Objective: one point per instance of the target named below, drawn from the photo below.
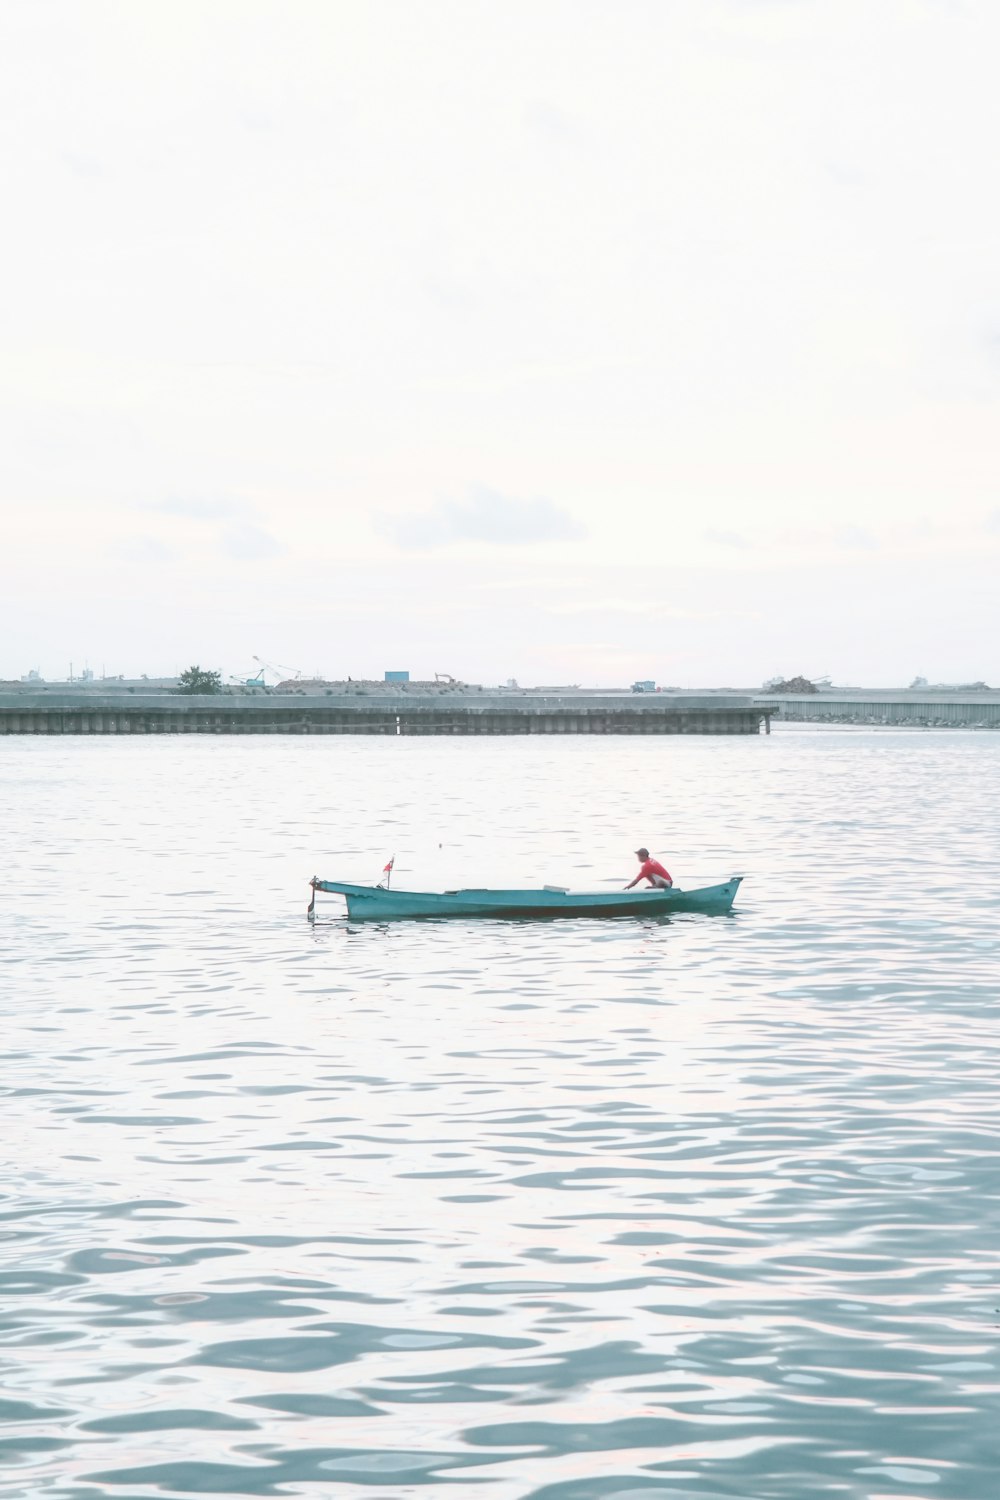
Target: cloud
(199, 510)
(727, 539)
(241, 538)
(82, 165)
(544, 118)
(249, 543)
(855, 539)
(485, 516)
(647, 609)
(143, 549)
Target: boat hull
(366, 903)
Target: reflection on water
(571, 1211)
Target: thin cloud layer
(249, 543)
(191, 509)
(243, 539)
(855, 539)
(485, 516)
(734, 539)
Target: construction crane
(276, 668)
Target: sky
(563, 340)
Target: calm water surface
(691, 1208)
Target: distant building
(397, 676)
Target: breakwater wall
(87, 713)
(976, 710)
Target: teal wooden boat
(376, 903)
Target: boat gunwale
(374, 902)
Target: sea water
(582, 1210)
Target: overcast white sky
(569, 340)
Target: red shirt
(652, 866)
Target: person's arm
(634, 882)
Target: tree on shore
(194, 680)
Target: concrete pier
(60, 711)
(917, 707)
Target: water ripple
(699, 1209)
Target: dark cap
(642, 853)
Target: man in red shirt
(651, 870)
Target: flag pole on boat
(387, 872)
